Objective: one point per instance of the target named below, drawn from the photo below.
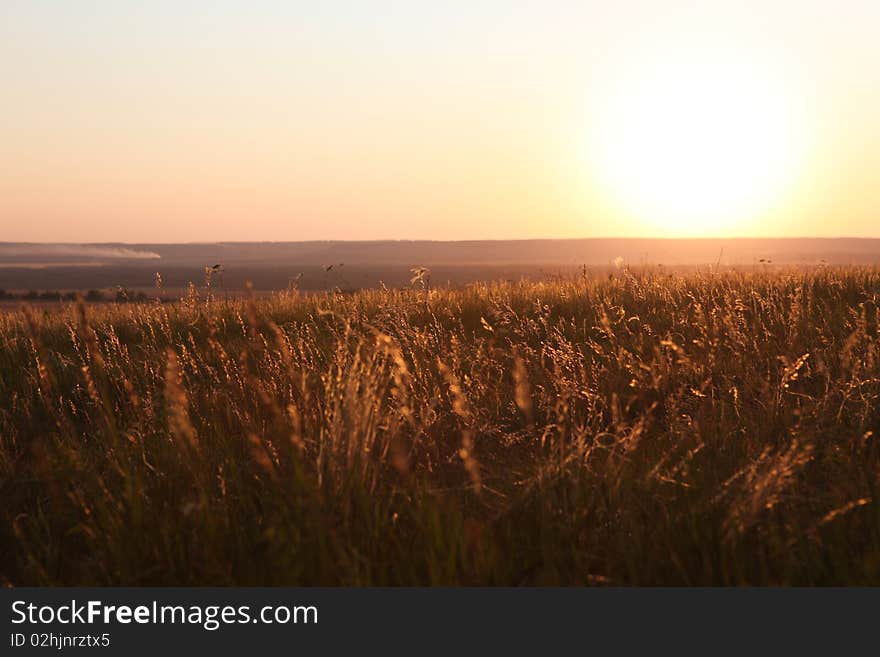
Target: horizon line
(443, 241)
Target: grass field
(638, 428)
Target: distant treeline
(93, 296)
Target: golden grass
(642, 428)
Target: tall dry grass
(642, 428)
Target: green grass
(639, 428)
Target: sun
(697, 144)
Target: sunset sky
(173, 121)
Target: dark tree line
(121, 295)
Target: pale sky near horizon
(174, 121)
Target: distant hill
(271, 265)
(560, 252)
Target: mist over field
(53, 252)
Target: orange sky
(202, 121)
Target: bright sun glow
(698, 145)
